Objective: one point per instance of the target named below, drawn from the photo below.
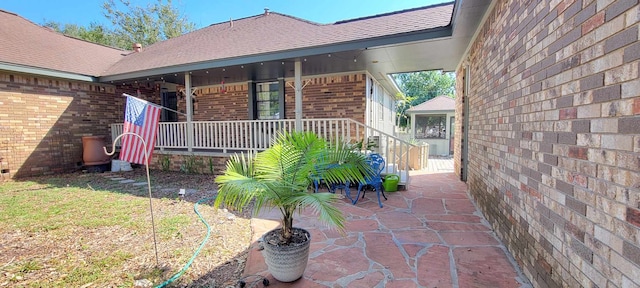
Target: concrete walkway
(440, 165)
(428, 236)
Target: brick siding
(341, 96)
(335, 96)
(40, 117)
(554, 139)
(43, 120)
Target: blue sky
(206, 12)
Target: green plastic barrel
(390, 183)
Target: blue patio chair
(375, 180)
(342, 186)
(317, 179)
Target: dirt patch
(53, 257)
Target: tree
(95, 33)
(422, 86)
(156, 22)
(131, 24)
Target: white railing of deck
(256, 135)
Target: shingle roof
(275, 32)
(26, 43)
(440, 103)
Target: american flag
(142, 118)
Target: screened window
(431, 126)
(267, 101)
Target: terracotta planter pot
(93, 151)
(286, 263)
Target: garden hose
(206, 238)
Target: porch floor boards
(430, 235)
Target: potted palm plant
(280, 177)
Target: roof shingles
(276, 32)
(261, 34)
(28, 44)
(440, 103)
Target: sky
(207, 12)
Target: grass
(82, 229)
(50, 207)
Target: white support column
(187, 90)
(298, 88)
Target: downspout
(187, 89)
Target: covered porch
(232, 100)
(223, 138)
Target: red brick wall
(341, 96)
(213, 105)
(42, 121)
(554, 139)
(333, 96)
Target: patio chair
(375, 180)
(342, 186)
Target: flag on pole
(142, 118)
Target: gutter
(46, 72)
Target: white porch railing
(256, 135)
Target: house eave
(434, 33)
(46, 72)
(431, 111)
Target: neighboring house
(432, 123)
(547, 125)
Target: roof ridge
(394, 12)
(87, 41)
(262, 15)
(9, 12)
(300, 19)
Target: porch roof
(264, 47)
(272, 32)
(261, 47)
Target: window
(268, 101)
(431, 126)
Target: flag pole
(161, 107)
(146, 156)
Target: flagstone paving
(430, 235)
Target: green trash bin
(390, 183)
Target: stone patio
(430, 235)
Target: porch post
(187, 89)
(298, 101)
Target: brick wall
(200, 164)
(554, 138)
(43, 120)
(335, 96)
(214, 105)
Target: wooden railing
(256, 135)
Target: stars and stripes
(142, 118)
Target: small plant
(211, 165)
(191, 165)
(29, 266)
(165, 162)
